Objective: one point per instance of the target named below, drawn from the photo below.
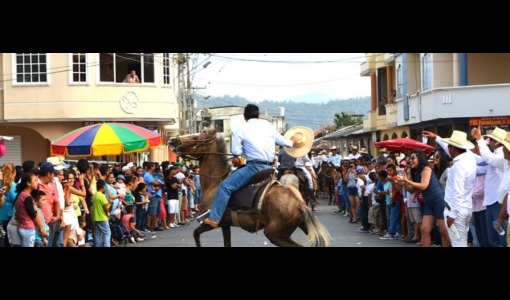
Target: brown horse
(328, 172)
(262, 204)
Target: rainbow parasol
(105, 139)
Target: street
(343, 234)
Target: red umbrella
(404, 145)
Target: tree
(346, 119)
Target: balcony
(391, 115)
(379, 60)
(368, 66)
(389, 58)
(456, 102)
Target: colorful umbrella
(105, 139)
(404, 145)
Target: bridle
(198, 143)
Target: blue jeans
(480, 218)
(55, 238)
(141, 218)
(472, 231)
(395, 219)
(39, 243)
(232, 183)
(102, 234)
(27, 237)
(492, 212)
(198, 196)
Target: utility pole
(180, 93)
(189, 98)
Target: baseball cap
(47, 167)
(180, 164)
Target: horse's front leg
(226, 236)
(196, 234)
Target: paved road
(343, 233)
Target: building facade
(46, 95)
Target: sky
(279, 76)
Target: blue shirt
(46, 228)
(196, 180)
(7, 210)
(334, 159)
(256, 139)
(148, 178)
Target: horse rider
(256, 140)
(304, 163)
(354, 153)
(334, 158)
(286, 162)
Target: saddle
(249, 195)
(296, 171)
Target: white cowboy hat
(333, 148)
(459, 140)
(503, 139)
(303, 146)
(363, 150)
(497, 134)
(353, 147)
(57, 163)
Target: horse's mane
(222, 148)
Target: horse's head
(193, 145)
(326, 168)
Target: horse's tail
(317, 233)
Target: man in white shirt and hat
(304, 163)
(354, 153)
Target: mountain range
(303, 110)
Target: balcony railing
(456, 102)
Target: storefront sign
(87, 123)
(487, 124)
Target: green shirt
(98, 202)
(129, 198)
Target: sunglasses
(412, 157)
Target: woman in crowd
(425, 180)
(6, 202)
(28, 219)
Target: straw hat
(333, 148)
(303, 146)
(497, 134)
(363, 150)
(353, 147)
(503, 139)
(459, 140)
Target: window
(79, 67)
(400, 82)
(113, 67)
(167, 80)
(427, 71)
(31, 68)
(218, 124)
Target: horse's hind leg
(226, 236)
(198, 231)
(279, 234)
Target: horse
(296, 177)
(262, 204)
(328, 180)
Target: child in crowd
(373, 212)
(40, 201)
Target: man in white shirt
(354, 153)
(304, 163)
(494, 190)
(256, 140)
(459, 188)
